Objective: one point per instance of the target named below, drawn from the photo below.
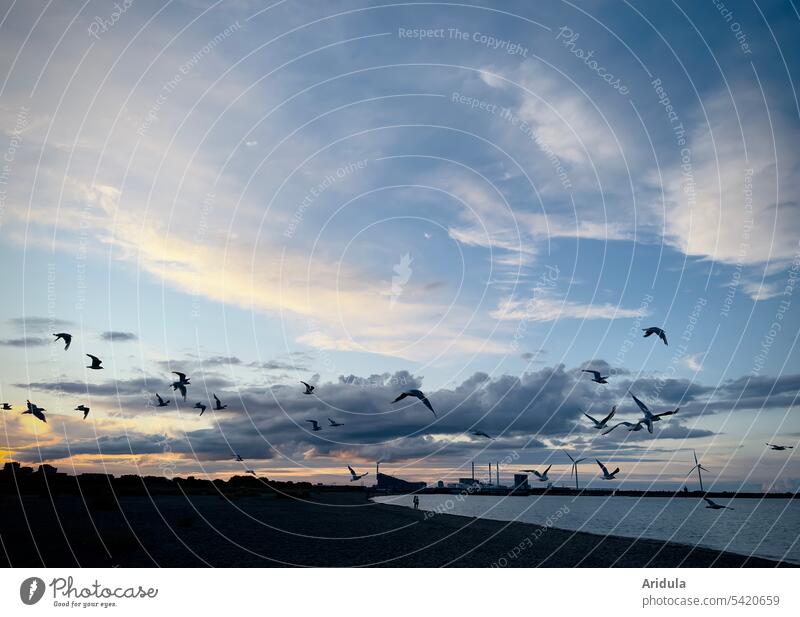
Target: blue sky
(303, 191)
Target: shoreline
(325, 529)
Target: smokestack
(473, 471)
(490, 473)
(498, 473)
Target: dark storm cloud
(126, 387)
(28, 341)
(118, 337)
(135, 443)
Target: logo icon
(31, 590)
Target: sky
(477, 201)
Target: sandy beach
(323, 529)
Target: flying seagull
(6, 407)
(201, 407)
(181, 384)
(542, 476)
(239, 458)
(161, 401)
(658, 331)
(632, 426)
(606, 475)
(482, 434)
(218, 406)
(84, 409)
(334, 422)
(250, 471)
(96, 362)
(715, 506)
(604, 422)
(650, 417)
(36, 411)
(65, 336)
(416, 394)
(772, 446)
(354, 476)
(309, 388)
(598, 378)
(314, 425)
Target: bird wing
(352, 472)
(548, 469)
(308, 386)
(160, 400)
(591, 418)
(182, 389)
(216, 399)
(648, 423)
(667, 413)
(95, 359)
(611, 415)
(608, 430)
(595, 373)
(537, 474)
(428, 404)
(401, 397)
(663, 336)
(641, 405)
(647, 332)
(181, 376)
(603, 467)
(711, 503)
(615, 472)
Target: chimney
(473, 471)
(498, 473)
(490, 473)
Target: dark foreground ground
(328, 530)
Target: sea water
(760, 527)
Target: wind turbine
(574, 467)
(699, 468)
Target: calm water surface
(766, 528)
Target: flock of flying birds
(646, 421)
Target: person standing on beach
(416, 502)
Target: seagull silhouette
(334, 422)
(201, 407)
(715, 506)
(773, 446)
(36, 411)
(161, 401)
(239, 458)
(602, 423)
(416, 394)
(314, 425)
(632, 426)
(84, 409)
(6, 407)
(181, 384)
(481, 434)
(96, 362)
(354, 476)
(309, 388)
(649, 416)
(217, 405)
(598, 378)
(658, 331)
(542, 476)
(606, 475)
(65, 336)
(250, 471)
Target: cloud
(118, 337)
(545, 306)
(28, 341)
(32, 322)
